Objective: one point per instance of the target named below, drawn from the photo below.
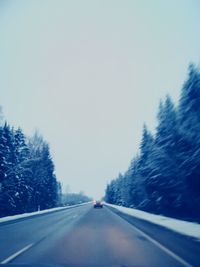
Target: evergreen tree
(189, 124)
(164, 182)
(143, 167)
(110, 193)
(9, 178)
(27, 178)
(165, 178)
(134, 188)
(23, 172)
(3, 171)
(44, 184)
(50, 183)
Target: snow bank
(30, 214)
(191, 229)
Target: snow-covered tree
(44, 183)
(165, 177)
(9, 177)
(189, 125)
(27, 178)
(164, 182)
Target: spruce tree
(23, 171)
(144, 167)
(9, 177)
(44, 183)
(165, 182)
(189, 125)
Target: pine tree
(44, 183)
(3, 171)
(164, 183)
(51, 186)
(143, 168)
(8, 174)
(23, 171)
(119, 184)
(189, 124)
(110, 193)
(165, 178)
(134, 196)
(27, 178)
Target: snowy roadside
(191, 229)
(35, 213)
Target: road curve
(85, 237)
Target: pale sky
(87, 74)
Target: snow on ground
(191, 229)
(24, 215)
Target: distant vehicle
(97, 204)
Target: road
(88, 237)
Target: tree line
(164, 177)
(74, 198)
(27, 177)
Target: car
(97, 204)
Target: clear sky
(87, 74)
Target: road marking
(13, 256)
(169, 252)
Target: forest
(164, 177)
(27, 177)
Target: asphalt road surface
(88, 237)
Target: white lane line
(169, 252)
(13, 256)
